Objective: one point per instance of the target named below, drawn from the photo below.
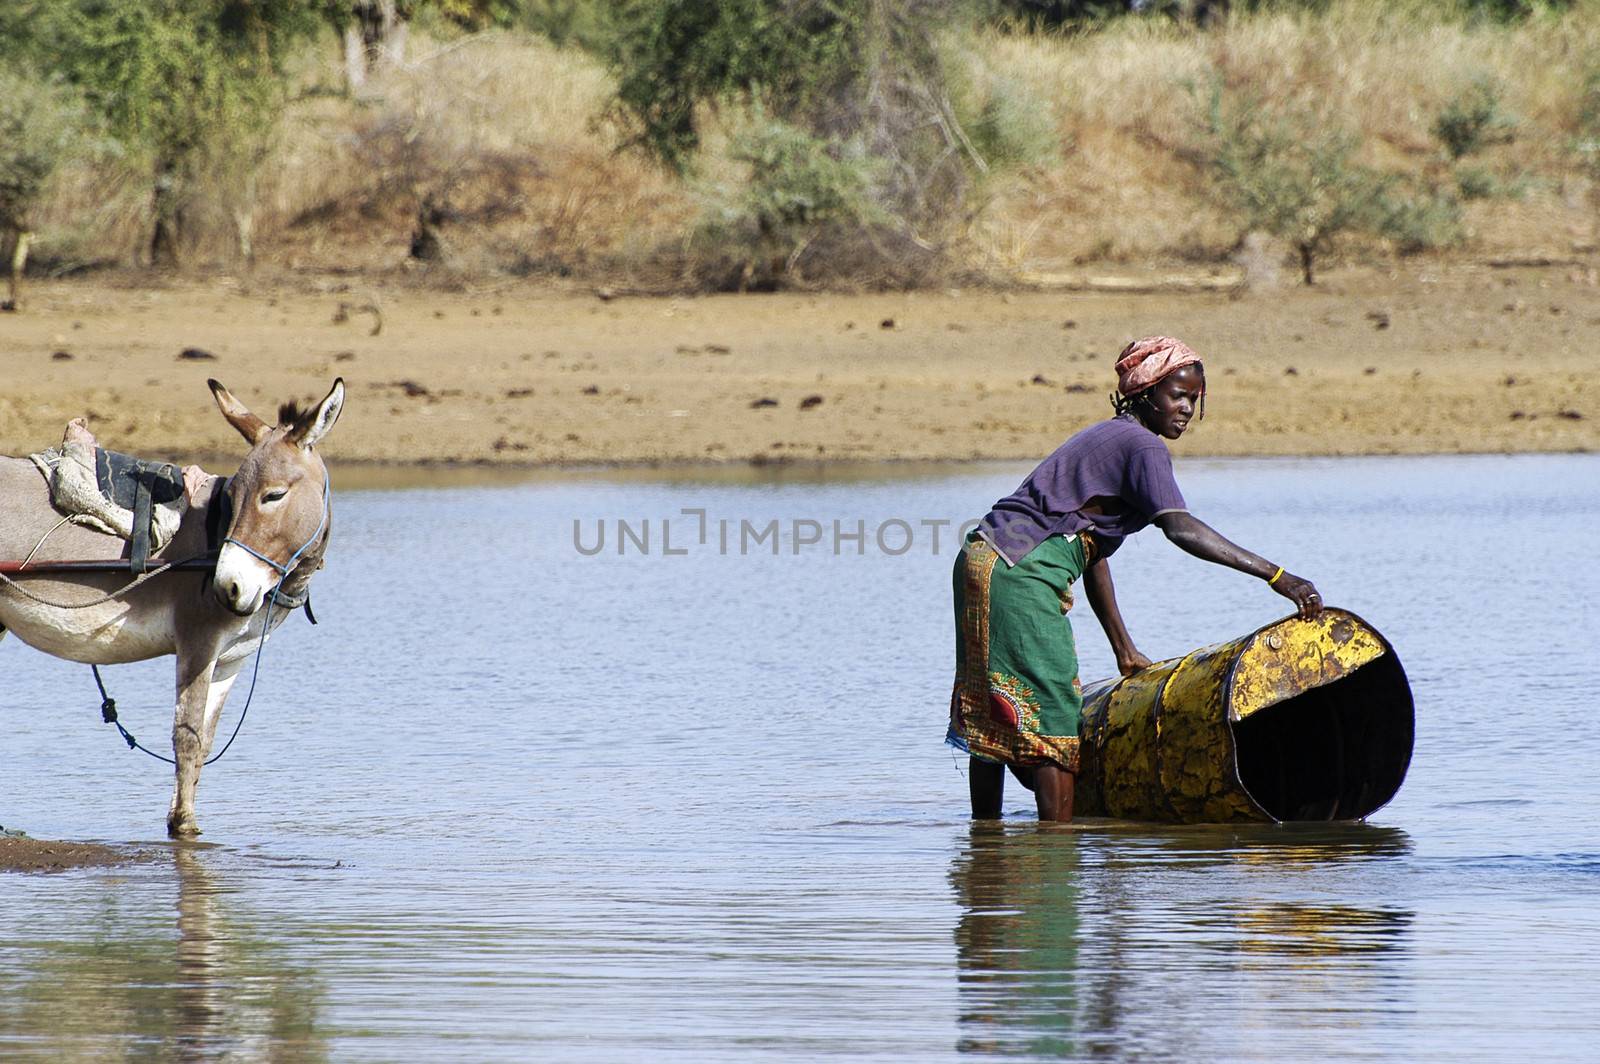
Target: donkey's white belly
(109, 634)
(115, 632)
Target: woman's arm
(1103, 598)
(1196, 537)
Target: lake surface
(511, 801)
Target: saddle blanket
(100, 489)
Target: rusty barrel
(1300, 720)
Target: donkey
(213, 621)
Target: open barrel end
(1337, 751)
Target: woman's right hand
(1301, 592)
(1131, 661)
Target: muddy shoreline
(20, 853)
(1428, 359)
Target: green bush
(1290, 175)
(42, 125)
(189, 89)
(1473, 120)
(795, 188)
(865, 78)
(1482, 183)
(1005, 127)
(1419, 221)
(672, 57)
(798, 181)
(1477, 183)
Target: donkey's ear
(239, 416)
(309, 430)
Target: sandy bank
(18, 853)
(1472, 359)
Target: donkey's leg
(222, 677)
(188, 740)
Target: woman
(1017, 698)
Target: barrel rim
(1388, 651)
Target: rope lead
(108, 712)
(108, 705)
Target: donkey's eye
(273, 496)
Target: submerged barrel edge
(1118, 773)
(1156, 745)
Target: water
(513, 802)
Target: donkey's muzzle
(241, 581)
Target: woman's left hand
(1132, 662)
(1301, 592)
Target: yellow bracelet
(1275, 576)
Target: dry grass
(503, 134)
(1129, 100)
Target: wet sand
(1425, 360)
(18, 853)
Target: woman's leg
(987, 781)
(1052, 790)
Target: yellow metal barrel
(1300, 720)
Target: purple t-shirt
(1118, 459)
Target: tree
(182, 85)
(375, 32)
(1290, 176)
(41, 126)
(1287, 172)
(864, 79)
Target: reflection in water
(1017, 940)
(1083, 942)
(130, 988)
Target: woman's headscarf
(1144, 362)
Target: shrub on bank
(1135, 185)
(1474, 119)
(42, 126)
(1293, 174)
(862, 94)
(793, 188)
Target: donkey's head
(279, 496)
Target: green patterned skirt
(1017, 698)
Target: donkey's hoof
(184, 828)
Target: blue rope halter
(284, 569)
